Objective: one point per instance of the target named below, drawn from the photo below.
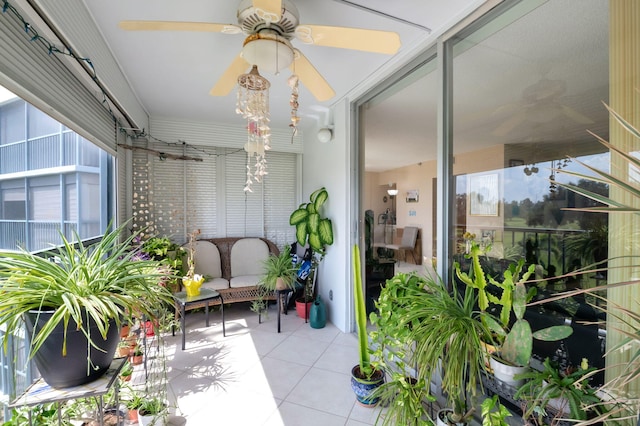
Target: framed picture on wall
(484, 195)
(412, 196)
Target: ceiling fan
(540, 104)
(270, 25)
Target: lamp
(392, 192)
(325, 135)
(269, 51)
(253, 104)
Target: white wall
(328, 165)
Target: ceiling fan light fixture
(253, 104)
(270, 52)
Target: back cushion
(247, 257)
(207, 259)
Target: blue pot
(364, 387)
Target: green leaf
(313, 223)
(321, 197)
(299, 215)
(552, 334)
(518, 344)
(520, 300)
(325, 230)
(301, 233)
(314, 242)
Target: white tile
(338, 358)
(299, 350)
(294, 415)
(325, 391)
(273, 377)
(364, 415)
(326, 334)
(346, 339)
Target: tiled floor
(256, 376)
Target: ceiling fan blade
(311, 78)
(575, 115)
(179, 26)
(230, 77)
(510, 124)
(269, 10)
(349, 38)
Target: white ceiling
(565, 41)
(172, 72)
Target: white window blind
(176, 197)
(279, 198)
(244, 212)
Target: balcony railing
(38, 236)
(64, 149)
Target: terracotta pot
(133, 415)
(124, 331)
(123, 351)
(300, 308)
(280, 284)
(149, 328)
(136, 359)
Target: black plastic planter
(83, 362)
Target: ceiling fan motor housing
(252, 20)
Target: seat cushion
(216, 284)
(244, 281)
(247, 257)
(207, 260)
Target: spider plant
(75, 289)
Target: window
(41, 201)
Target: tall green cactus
(517, 339)
(361, 315)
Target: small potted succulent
(153, 410)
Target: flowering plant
(191, 259)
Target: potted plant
(73, 301)
(513, 340)
(405, 400)
(136, 358)
(279, 274)
(365, 378)
(126, 372)
(316, 232)
(448, 334)
(192, 281)
(123, 349)
(152, 411)
(494, 413)
(403, 395)
(133, 401)
(557, 394)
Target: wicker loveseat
(233, 266)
